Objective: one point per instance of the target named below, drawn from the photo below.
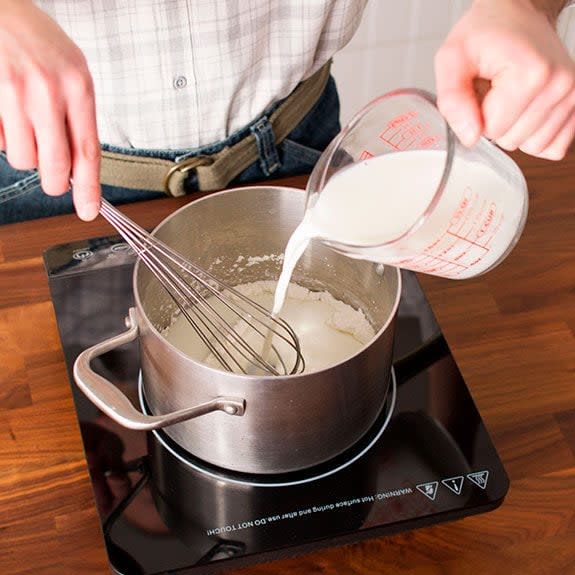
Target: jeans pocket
(298, 158)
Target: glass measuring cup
(430, 204)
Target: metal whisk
(236, 343)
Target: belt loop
(266, 145)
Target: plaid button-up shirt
(179, 74)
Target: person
(137, 98)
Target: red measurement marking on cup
(465, 242)
(496, 227)
(487, 221)
(432, 264)
(407, 131)
(365, 155)
(429, 142)
(426, 260)
(472, 219)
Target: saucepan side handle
(106, 396)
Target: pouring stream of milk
(295, 248)
(364, 204)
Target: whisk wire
(179, 285)
(193, 289)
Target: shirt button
(180, 82)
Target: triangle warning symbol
(428, 489)
(479, 478)
(454, 483)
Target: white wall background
(395, 45)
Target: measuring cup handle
(106, 396)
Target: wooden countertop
(512, 335)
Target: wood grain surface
(511, 332)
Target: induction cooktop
(427, 459)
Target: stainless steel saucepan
(246, 423)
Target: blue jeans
(22, 198)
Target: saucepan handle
(110, 399)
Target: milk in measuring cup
(385, 209)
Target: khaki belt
(215, 171)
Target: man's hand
(531, 101)
(47, 106)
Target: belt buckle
(184, 167)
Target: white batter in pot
(329, 330)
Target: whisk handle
(110, 399)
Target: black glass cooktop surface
(427, 459)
